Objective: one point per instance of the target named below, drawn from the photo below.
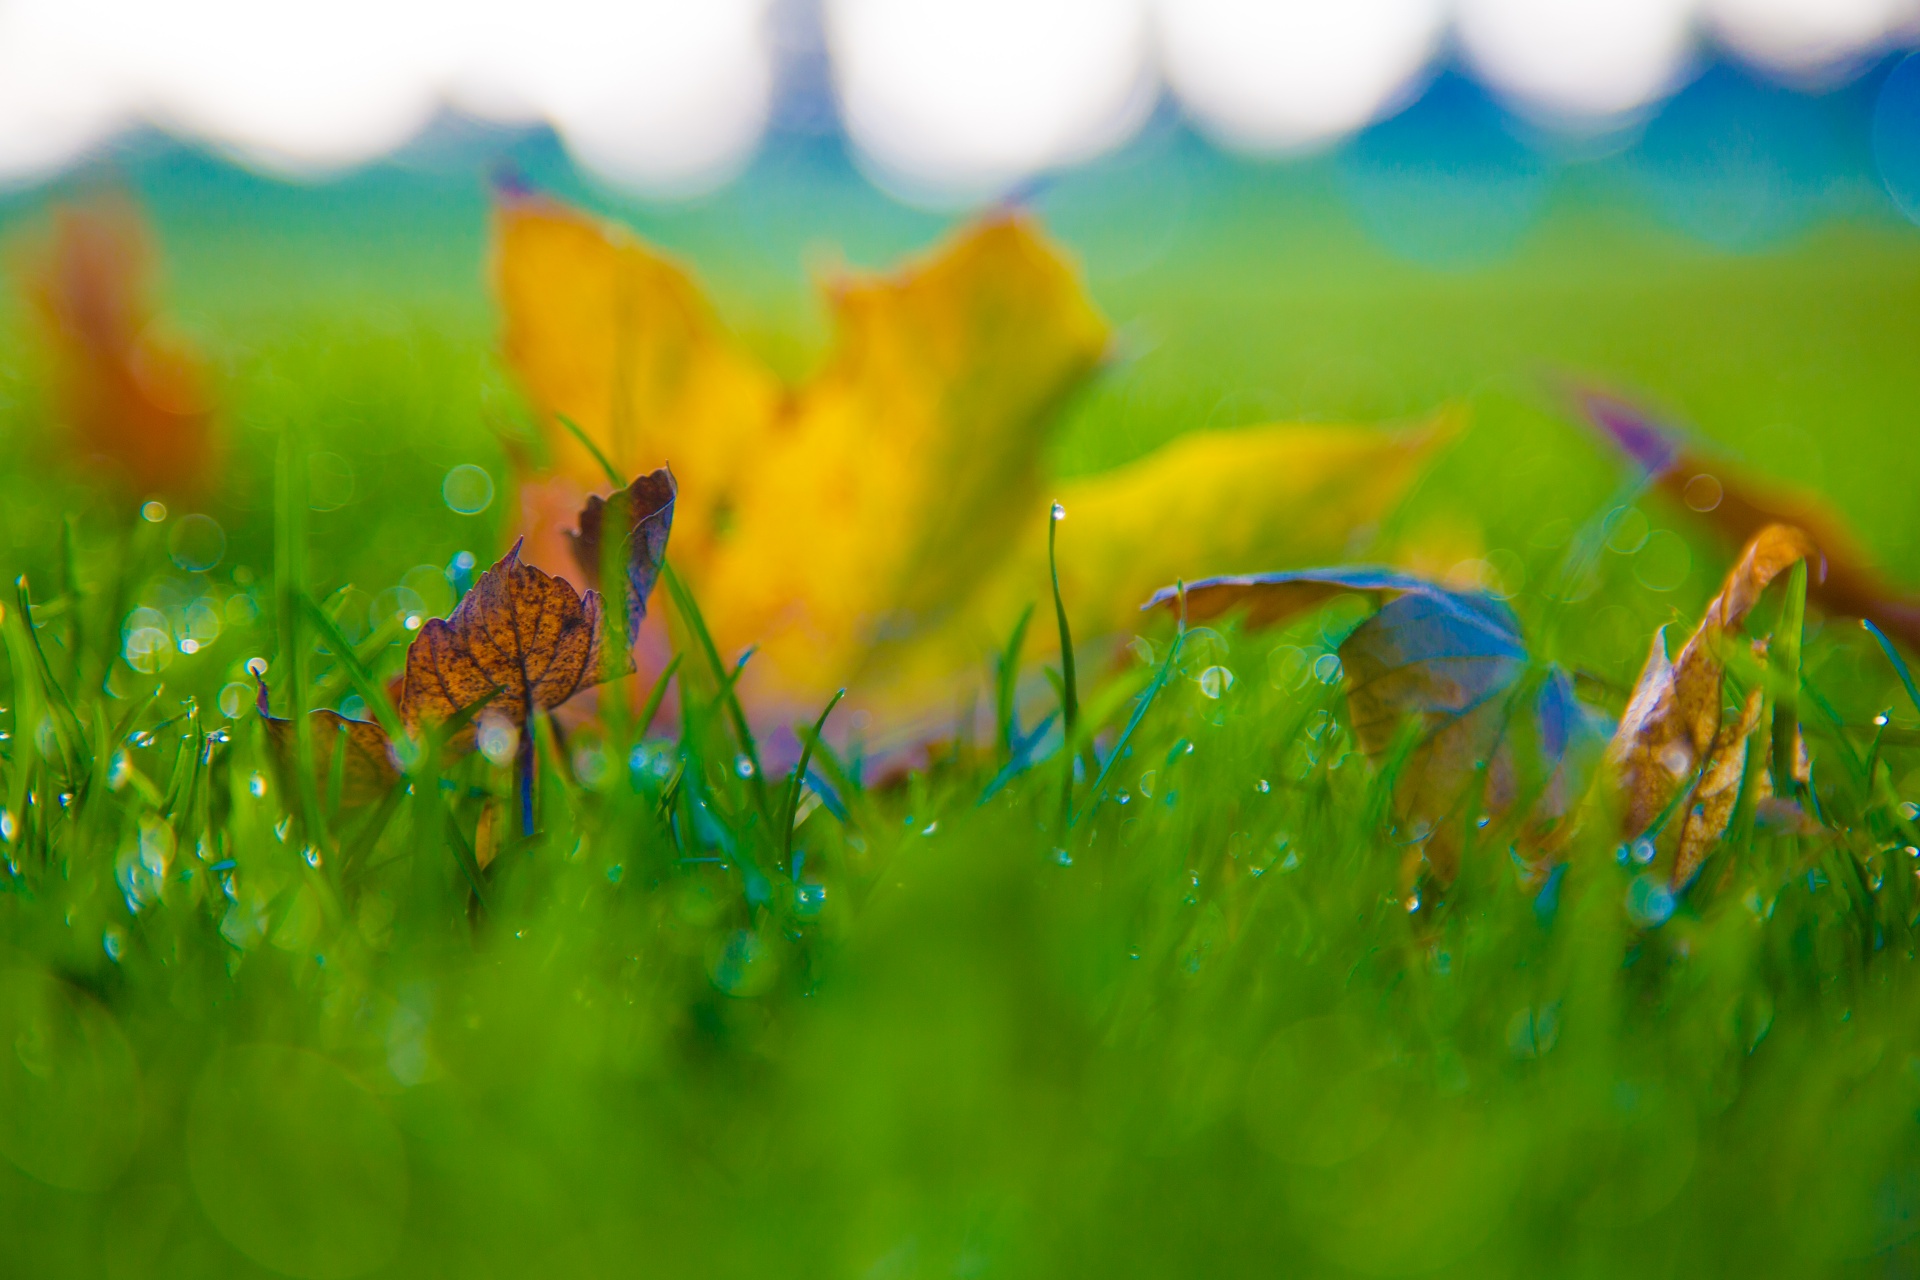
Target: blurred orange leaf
(136, 397)
(882, 524)
(1740, 505)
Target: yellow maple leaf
(883, 523)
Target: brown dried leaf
(520, 631)
(369, 771)
(644, 512)
(1673, 715)
(1715, 795)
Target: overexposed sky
(944, 99)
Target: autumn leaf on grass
(643, 513)
(1670, 736)
(1740, 505)
(135, 397)
(522, 637)
(520, 642)
(368, 770)
(881, 525)
(1444, 677)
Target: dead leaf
(1673, 713)
(1710, 808)
(368, 772)
(882, 524)
(1740, 505)
(1451, 664)
(521, 632)
(135, 396)
(643, 511)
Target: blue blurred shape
(1738, 162)
(1896, 135)
(1445, 182)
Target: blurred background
(1359, 211)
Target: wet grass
(245, 1025)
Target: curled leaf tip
(643, 515)
(1670, 736)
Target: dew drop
(1059, 512)
(257, 785)
(256, 667)
(1215, 681)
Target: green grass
(1199, 1034)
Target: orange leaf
(618, 339)
(1674, 712)
(1714, 796)
(881, 524)
(521, 636)
(135, 397)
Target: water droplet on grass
(1649, 902)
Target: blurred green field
(1207, 1038)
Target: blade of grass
(1899, 663)
(656, 696)
(1147, 696)
(586, 442)
(66, 723)
(690, 613)
(1069, 684)
(797, 779)
(1006, 684)
(370, 690)
(289, 576)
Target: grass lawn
(1203, 1033)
